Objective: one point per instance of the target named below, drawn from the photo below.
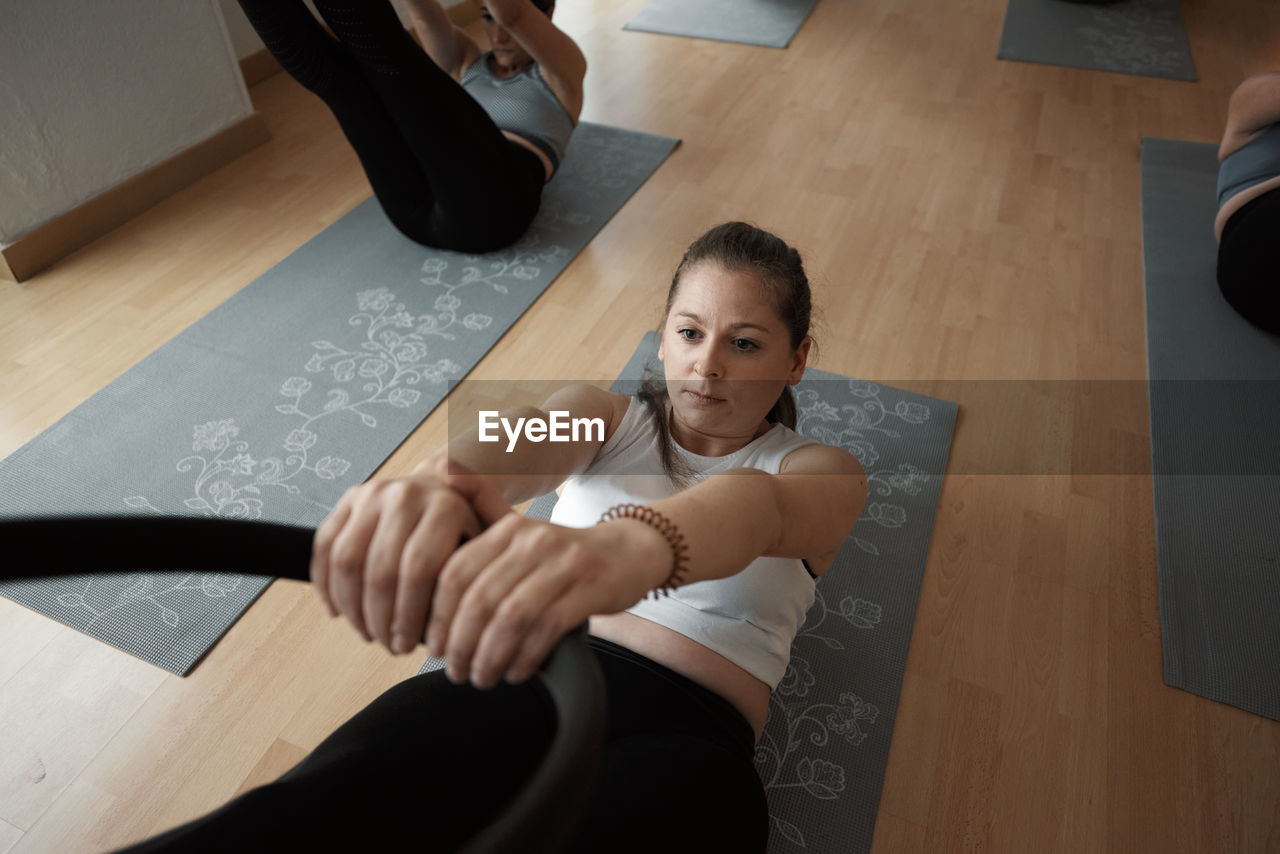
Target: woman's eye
(745, 344)
(687, 334)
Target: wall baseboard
(85, 223)
(258, 66)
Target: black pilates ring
(542, 816)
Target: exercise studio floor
(963, 218)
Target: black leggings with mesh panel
(440, 168)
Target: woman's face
(507, 52)
(727, 354)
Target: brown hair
(738, 247)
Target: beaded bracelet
(665, 527)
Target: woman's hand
(505, 598)
(376, 557)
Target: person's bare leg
(487, 188)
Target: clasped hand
(441, 555)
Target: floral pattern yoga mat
(1142, 37)
(294, 389)
(825, 748)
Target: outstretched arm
(376, 556)
(505, 597)
(448, 46)
(520, 470)
(805, 511)
(562, 61)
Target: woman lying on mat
(697, 486)
(1249, 201)
(457, 143)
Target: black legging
(1247, 261)
(428, 764)
(441, 169)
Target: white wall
(246, 41)
(92, 93)
(243, 38)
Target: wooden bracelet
(665, 527)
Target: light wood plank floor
(964, 218)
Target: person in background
(1248, 221)
(457, 143)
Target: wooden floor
(964, 218)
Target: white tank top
(751, 617)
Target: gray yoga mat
(1143, 37)
(768, 23)
(293, 390)
(824, 750)
(1215, 446)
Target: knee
(1254, 104)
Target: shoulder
(820, 492)
(1254, 106)
(472, 66)
(1256, 93)
(470, 56)
(817, 458)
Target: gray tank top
(1252, 163)
(523, 104)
